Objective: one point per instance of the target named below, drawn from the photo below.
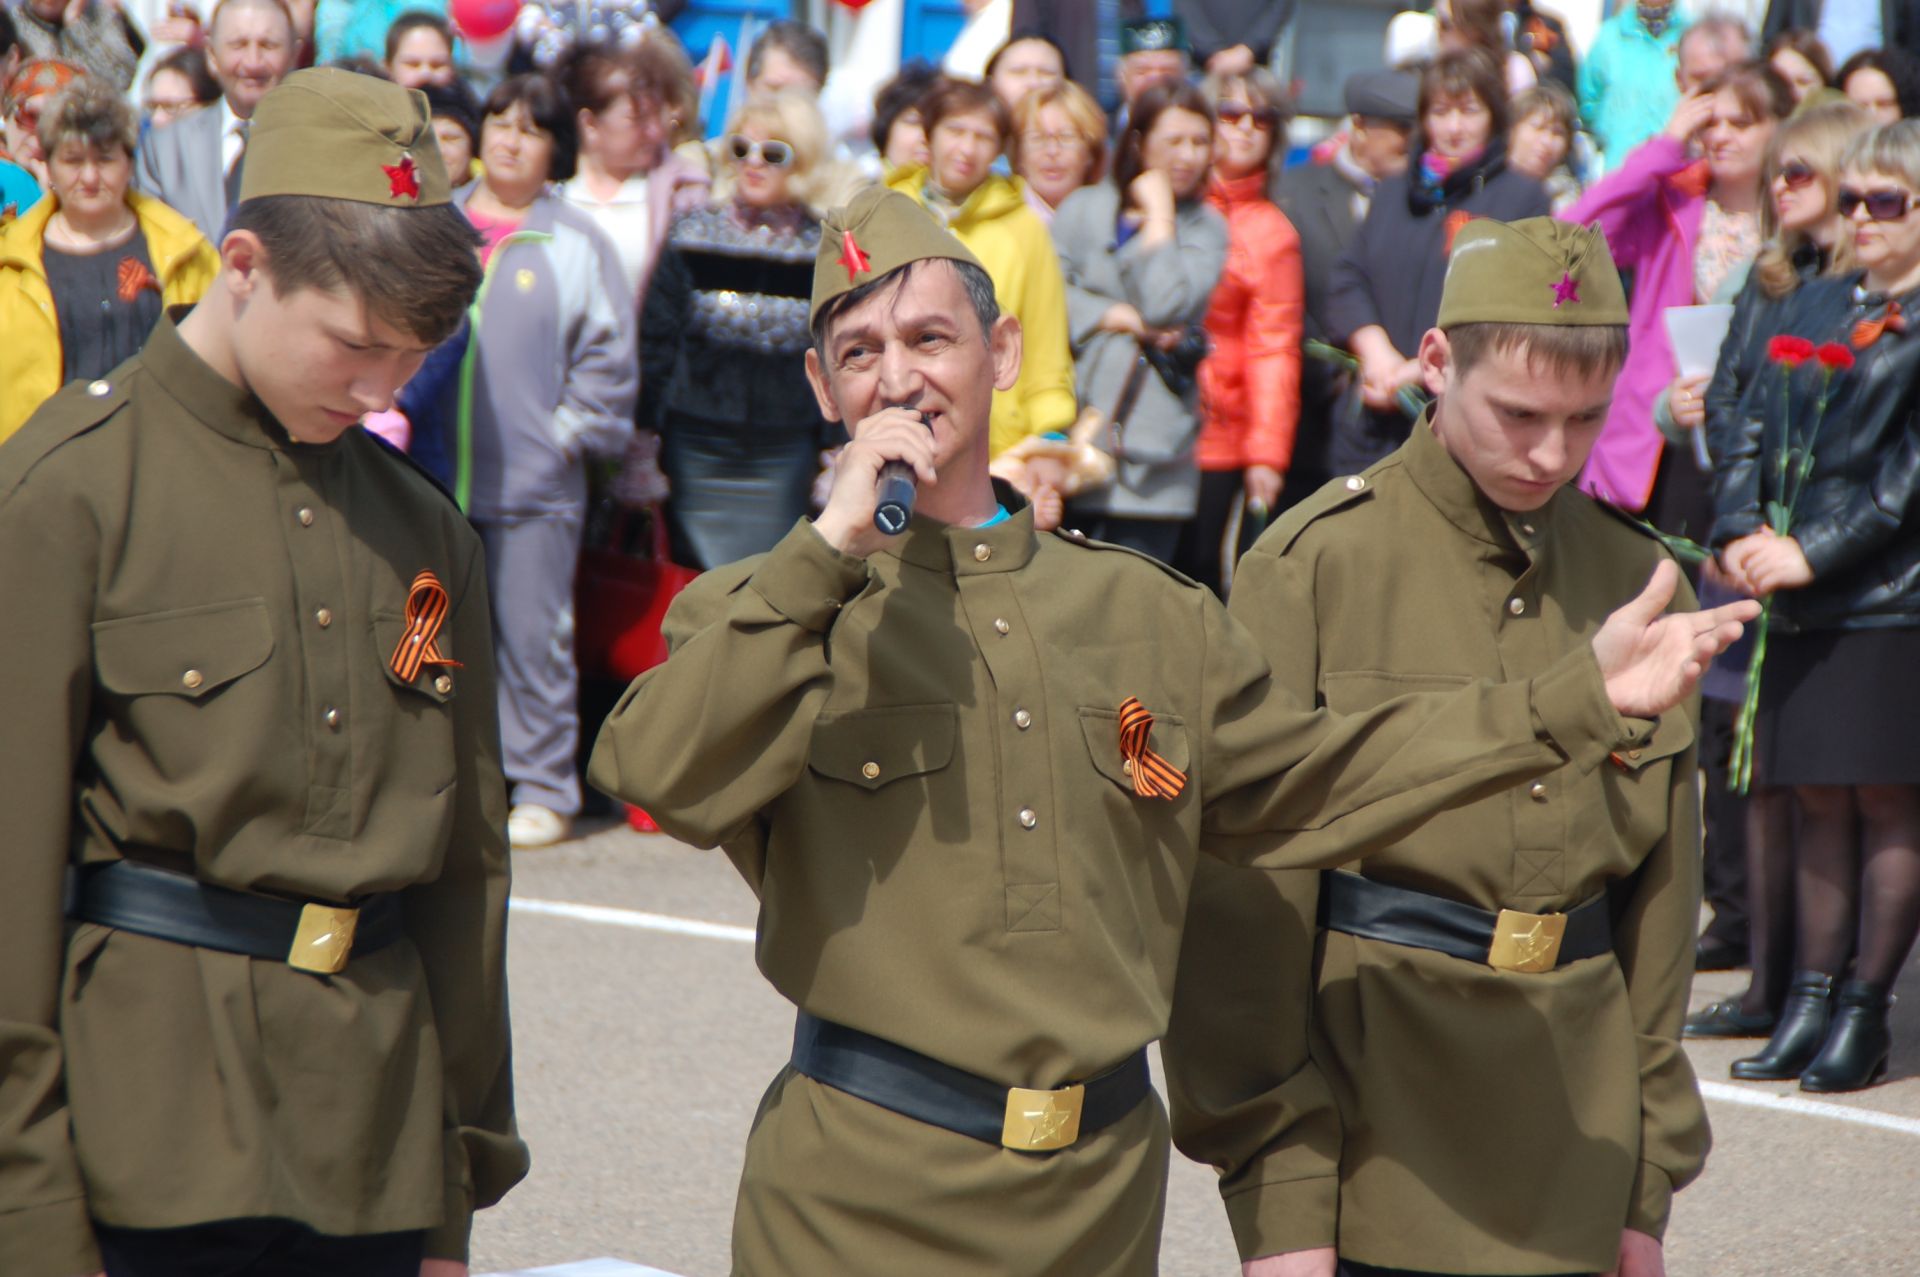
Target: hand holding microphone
(891, 452)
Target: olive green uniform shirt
(194, 641)
(915, 761)
(1494, 1122)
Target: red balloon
(483, 19)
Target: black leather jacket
(1856, 517)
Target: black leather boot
(1798, 1037)
(1855, 1056)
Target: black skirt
(1840, 707)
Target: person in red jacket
(1250, 383)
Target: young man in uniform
(968, 771)
(1496, 1023)
(245, 659)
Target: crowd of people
(1210, 332)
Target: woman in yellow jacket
(967, 128)
(86, 272)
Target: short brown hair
(960, 97)
(1808, 45)
(364, 248)
(89, 112)
(1466, 71)
(1549, 99)
(1564, 350)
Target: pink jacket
(1651, 210)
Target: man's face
(1700, 60)
(778, 73)
(1520, 431)
(1378, 146)
(918, 345)
(252, 50)
(315, 357)
(1141, 71)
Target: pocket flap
(1168, 738)
(1672, 733)
(435, 682)
(189, 652)
(871, 747)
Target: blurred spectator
(1707, 48)
(1543, 38)
(1142, 254)
(94, 35)
(1540, 142)
(1683, 238)
(1626, 83)
(1059, 145)
(85, 273)
(358, 28)
(419, 50)
(899, 130)
(1327, 202)
(1153, 51)
(1885, 83)
(456, 126)
(1024, 64)
(194, 164)
(31, 88)
(967, 127)
(724, 339)
(1801, 60)
(1250, 379)
(1386, 288)
(179, 84)
(787, 55)
(1231, 37)
(1837, 700)
(1084, 30)
(548, 382)
(1484, 25)
(1846, 29)
(629, 181)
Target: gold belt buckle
(1528, 942)
(324, 939)
(1041, 1121)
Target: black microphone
(894, 493)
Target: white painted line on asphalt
(632, 918)
(1809, 1108)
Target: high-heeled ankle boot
(1797, 1038)
(1855, 1055)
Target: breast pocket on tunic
(874, 748)
(178, 683)
(416, 735)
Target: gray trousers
(530, 569)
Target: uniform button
(1075, 534)
(1000, 625)
(305, 516)
(1539, 792)
(1022, 719)
(1516, 606)
(1634, 754)
(982, 552)
(1027, 819)
(323, 618)
(443, 685)
(1527, 528)
(99, 389)
(1126, 765)
(1355, 483)
(192, 679)
(871, 771)
(331, 717)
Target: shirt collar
(1005, 545)
(228, 120)
(1452, 491)
(210, 398)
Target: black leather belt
(1509, 940)
(130, 896)
(917, 1086)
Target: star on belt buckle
(1042, 1121)
(324, 939)
(1527, 942)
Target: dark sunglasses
(1882, 206)
(1797, 174)
(776, 154)
(1264, 117)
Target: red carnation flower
(1789, 350)
(1834, 357)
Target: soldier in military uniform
(968, 771)
(254, 1018)
(1491, 1080)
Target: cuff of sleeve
(1278, 1218)
(448, 1239)
(808, 581)
(1729, 528)
(1652, 1199)
(51, 1240)
(1821, 547)
(1570, 707)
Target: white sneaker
(529, 825)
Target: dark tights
(1770, 870)
(1858, 878)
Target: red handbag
(621, 597)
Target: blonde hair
(793, 118)
(1088, 120)
(1823, 136)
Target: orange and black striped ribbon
(1153, 776)
(427, 608)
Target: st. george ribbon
(893, 494)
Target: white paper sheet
(1695, 333)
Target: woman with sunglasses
(1250, 380)
(1838, 699)
(723, 340)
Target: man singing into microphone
(968, 771)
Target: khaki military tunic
(1494, 1122)
(915, 761)
(194, 643)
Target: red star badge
(852, 258)
(1567, 290)
(403, 178)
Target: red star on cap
(852, 258)
(404, 178)
(1567, 290)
